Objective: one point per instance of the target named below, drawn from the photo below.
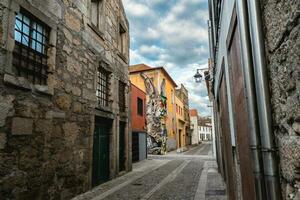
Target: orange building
(164, 87)
(138, 124)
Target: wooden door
(240, 115)
(226, 141)
(135, 147)
(122, 157)
(101, 152)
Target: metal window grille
(140, 106)
(122, 105)
(102, 87)
(30, 52)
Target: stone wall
(46, 132)
(282, 32)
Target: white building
(205, 132)
(194, 126)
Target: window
(122, 40)
(102, 87)
(30, 52)
(97, 13)
(122, 105)
(140, 107)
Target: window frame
(32, 64)
(100, 16)
(122, 96)
(140, 107)
(102, 87)
(10, 77)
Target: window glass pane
(39, 38)
(26, 20)
(39, 28)
(19, 16)
(25, 29)
(38, 47)
(33, 43)
(25, 40)
(18, 25)
(17, 36)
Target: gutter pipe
(242, 15)
(263, 103)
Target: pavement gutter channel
(120, 186)
(201, 189)
(166, 180)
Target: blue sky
(173, 34)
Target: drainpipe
(251, 101)
(263, 102)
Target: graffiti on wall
(156, 110)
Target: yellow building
(164, 89)
(180, 123)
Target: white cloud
(172, 34)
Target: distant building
(183, 94)
(138, 124)
(194, 126)
(180, 124)
(160, 103)
(205, 132)
(205, 129)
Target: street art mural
(156, 110)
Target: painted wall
(138, 122)
(157, 76)
(195, 131)
(180, 123)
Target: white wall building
(205, 132)
(194, 126)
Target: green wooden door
(101, 152)
(122, 146)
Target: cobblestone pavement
(185, 176)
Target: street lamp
(199, 77)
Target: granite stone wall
(46, 131)
(282, 33)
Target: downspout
(251, 101)
(263, 102)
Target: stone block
(2, 140)
(6, 108)
(63, 102)
(21, 126)
(289, 150)
(72, 22)
(55, 115)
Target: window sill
(104, 108)
(24, 84)
(97, 31)
(121, 55)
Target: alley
(189, 175)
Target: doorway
(122, 157)
(100, 172)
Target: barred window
(30, 52)
(122, 105)
(102, 87)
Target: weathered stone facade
(46, 131)
(282, 33)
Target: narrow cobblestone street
(189, 175)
